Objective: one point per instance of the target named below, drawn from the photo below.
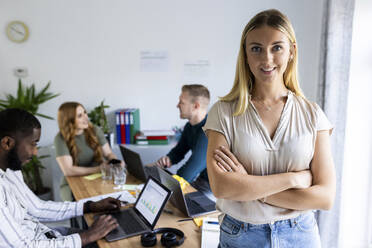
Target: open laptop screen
(152, 200)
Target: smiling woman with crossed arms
(270, 145)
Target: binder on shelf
(118, 131)
(142, 137)
(152, 142)
(158, 132)
(134, 124)
(122, 127)
(127, 126)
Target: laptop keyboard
(129, 223)
(193, 206)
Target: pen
(124, 202)
(185, 219)
(168, 211)
(213, 222)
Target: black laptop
(143, 216)
(191, 204)
(136, 167)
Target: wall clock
(17, 31)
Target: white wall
(90, 50)
(356, 213)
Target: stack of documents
(124, 196)
(153, 137)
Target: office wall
(90, 50)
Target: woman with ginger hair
(81, 147)
(270, 145)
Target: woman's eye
(256, 49)
(277, 48)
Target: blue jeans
(301, 231)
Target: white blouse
(291, 149)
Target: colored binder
(122, 126)
(118, 131)
(142, 137)
(134, 124)
(158, 132)
(152, 142)
(127, 126)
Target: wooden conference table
(83, 188)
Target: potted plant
(98, 117)
(29, 99)
(31, 175)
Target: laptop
(136, 167)
(191, 204)
(143, 216)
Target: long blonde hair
(67, 128)
(244, 79)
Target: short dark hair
(14, 121)
(196, 90)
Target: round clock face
(17, 31)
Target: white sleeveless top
(291, 149)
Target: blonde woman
(80, 146)
(270, 145)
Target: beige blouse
(291, 149)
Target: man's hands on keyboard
(101, 226)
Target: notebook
(142, 217)
(136, 167)
(191, 204)
(210, 233)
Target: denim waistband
(280, 223)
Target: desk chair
(57, 176)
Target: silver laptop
(191, 204)
(143, 216)
(136, 167)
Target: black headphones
(168, 239)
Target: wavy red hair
(67, 128)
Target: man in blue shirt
(193, 105)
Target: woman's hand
(303, 179)
(122, 163)
(69, 169)
(116, 162)
(227, 161)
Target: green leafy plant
(29, 99)
(31, 174)
(98, 117)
